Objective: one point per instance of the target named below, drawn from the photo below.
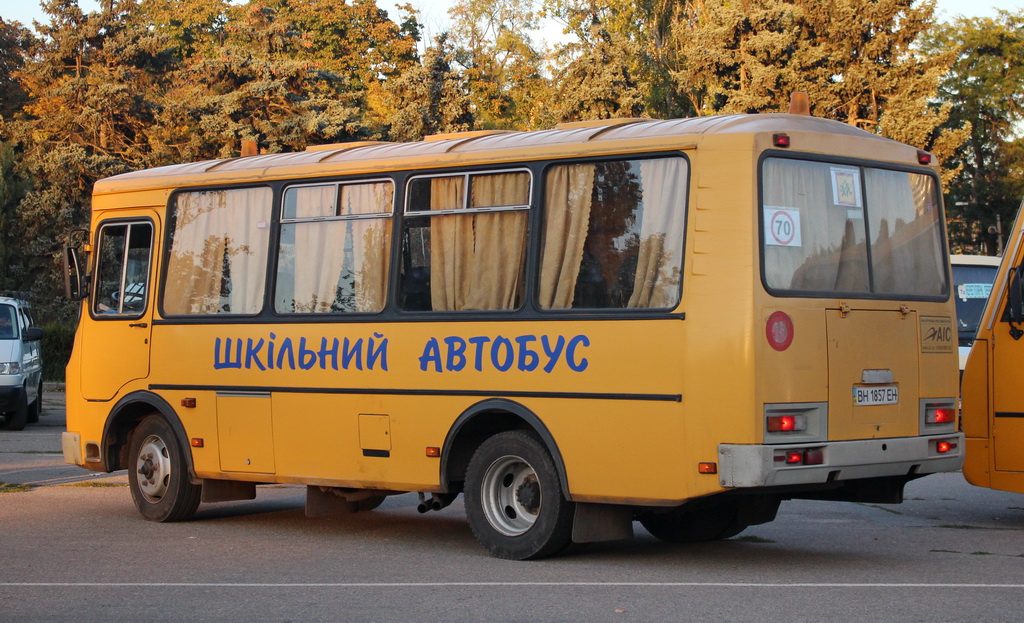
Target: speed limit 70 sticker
(781, 227)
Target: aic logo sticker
(937, 335)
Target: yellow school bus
(677, 322)
(993, 394)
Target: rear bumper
(755, 465)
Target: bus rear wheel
(157, 473)
(514, 500)
(705, 523)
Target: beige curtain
(832, 253)
(318, 250)
(371, 242)
(567, 205)
(662, 229)
(324, 250)
(906, 250)
(213, 228)
(477, 259)
(450, 235)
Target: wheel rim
(153, 466)
(511, 495)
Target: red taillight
(801, 456)
(939, 415)
(786, 423)
(780, 140)
(943, 447)
(924, 157)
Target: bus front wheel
(157, 474)
(706, 523)
(514, 501)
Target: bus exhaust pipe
(436, 502)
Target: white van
(21, 364)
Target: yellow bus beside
(677, 322)
(993, 395)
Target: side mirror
(1014, 313)
(74, 289)
(33, 334)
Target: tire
(158, 474)
(514, 501)
(696, 525)
(36, 408)
(17, 419)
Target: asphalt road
(73, 549)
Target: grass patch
(38, 452)
(95, 483)
(8, 487)
(981, 553)
(750, 538)
(960, 526)
(944, 551)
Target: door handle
(141, 325)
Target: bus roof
(479, 147)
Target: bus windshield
(973, 285)
(852, 230)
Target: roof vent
(598, 123)
(463, 135)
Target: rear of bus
(854, 336)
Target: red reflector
(944, 446)
(780, 140)
(814, 456)
(924, 157)
(188, 403)
(707, 468)
(945, 416)
(794, 458)
(779, 330)
(197, 442)
(433, 451)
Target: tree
(89, 80)
(430, 98)
(985, 89)
(15, 42)
(502, 67)
(643, 32)
(600, 84)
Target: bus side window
(464, 242)
(613, 234)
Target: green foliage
(143, 83)
(58, 340)
(985, 89)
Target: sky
(434, 12)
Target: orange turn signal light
(197, 442)
(433, 451)
(707, 468)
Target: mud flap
(602, 522)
